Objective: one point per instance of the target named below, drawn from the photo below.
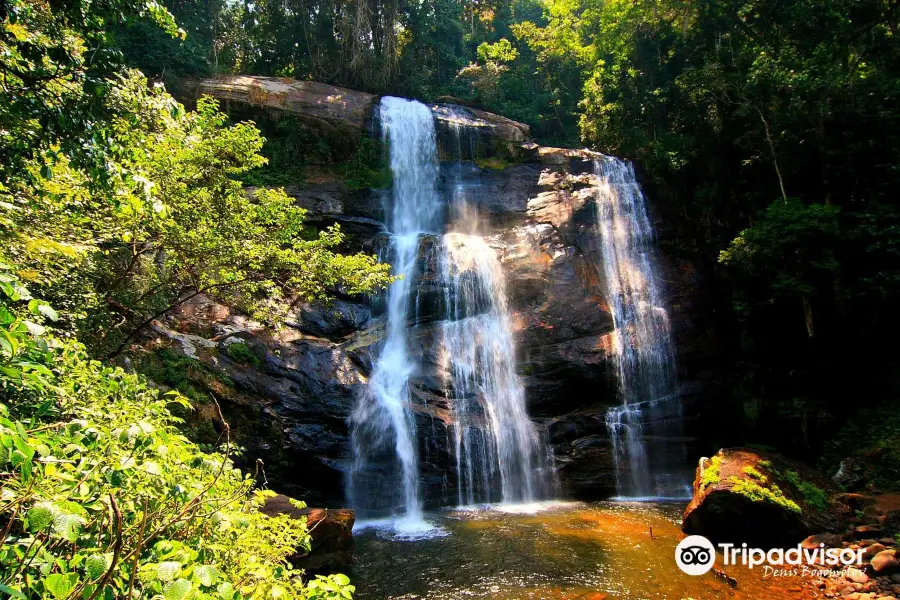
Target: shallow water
(597, 551)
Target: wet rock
(851, 474)
(885, 562)
(297, 400)
(331, 532)
(740, 496)
(856, 502)
(856, 575)
(866, 531)
(334, 320)
(831, 540)
(872, 550)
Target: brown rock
(831, 540)
(872, 550)
(331, 530)
(884, 562)
(310, 99)
(867, 531)
(856, 576)
(856, 501)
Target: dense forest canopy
(767, 131)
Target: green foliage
(756, 492)
(175, 224)
(242, 353)
(104, 496)
(754, 474)
(872, 438)
(57, 62)
(813, 495)
(711, 472)
(494, 163)
(500, 52)
(290, 147)
(788, 255)
(178, 372)
(368, 167)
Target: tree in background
(770, 121)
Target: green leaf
(41, 515)
(177, 590)
(166, 571)
(225, 590)
(47, 310)
(207, 575)
(11, 592)
(96, 565)
(67, 526)
(61, 585)
(341, 579)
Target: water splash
(646, 428)
(383, 426)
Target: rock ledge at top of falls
(763, 499)
(336, 106)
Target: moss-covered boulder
(763, 499)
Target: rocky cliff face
(297, 387)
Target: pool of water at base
(562, 551)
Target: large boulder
(763, 499)
(330, 530)
(334, 106)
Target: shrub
(104, 498)
(241, 352)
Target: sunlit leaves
(60, 585)
(96, 565)
(122, 458)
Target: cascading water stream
(494, 440)
(646, 429)
(496, 452)
(383, 417)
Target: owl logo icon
(695, 555)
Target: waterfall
(494, 448)
(646, 429)
(494, 441)
(383, 417)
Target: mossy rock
(763, 499)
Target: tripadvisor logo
(695, 555)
